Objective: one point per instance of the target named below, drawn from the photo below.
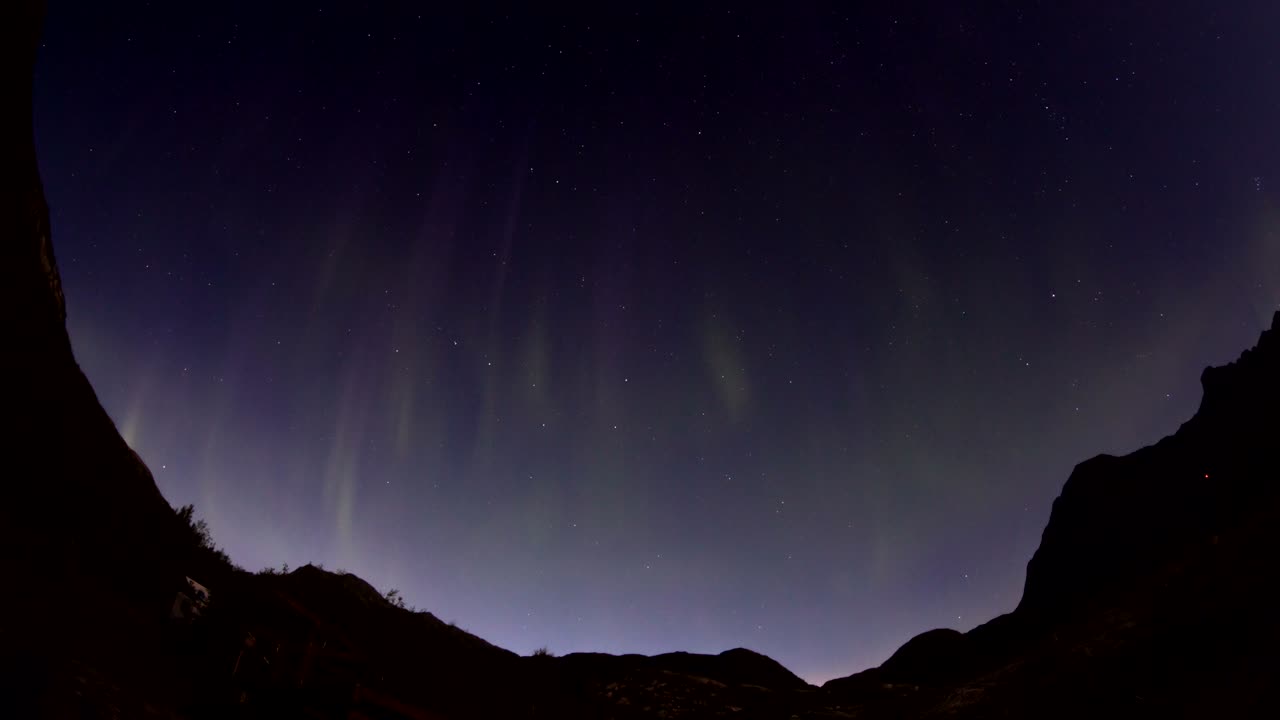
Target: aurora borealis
(632, 332)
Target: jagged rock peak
(1120, 517)
(1234, 382)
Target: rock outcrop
(86, 538)
(1119, 518)
(77, 499)
(1150, 564)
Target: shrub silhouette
(202, 559)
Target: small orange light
(1206, 476)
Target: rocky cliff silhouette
(87, 542)
(1150, 594)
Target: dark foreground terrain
(1150, 595)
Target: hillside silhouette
(1149, 595)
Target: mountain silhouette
(1150, 593)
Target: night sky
(634, 332)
